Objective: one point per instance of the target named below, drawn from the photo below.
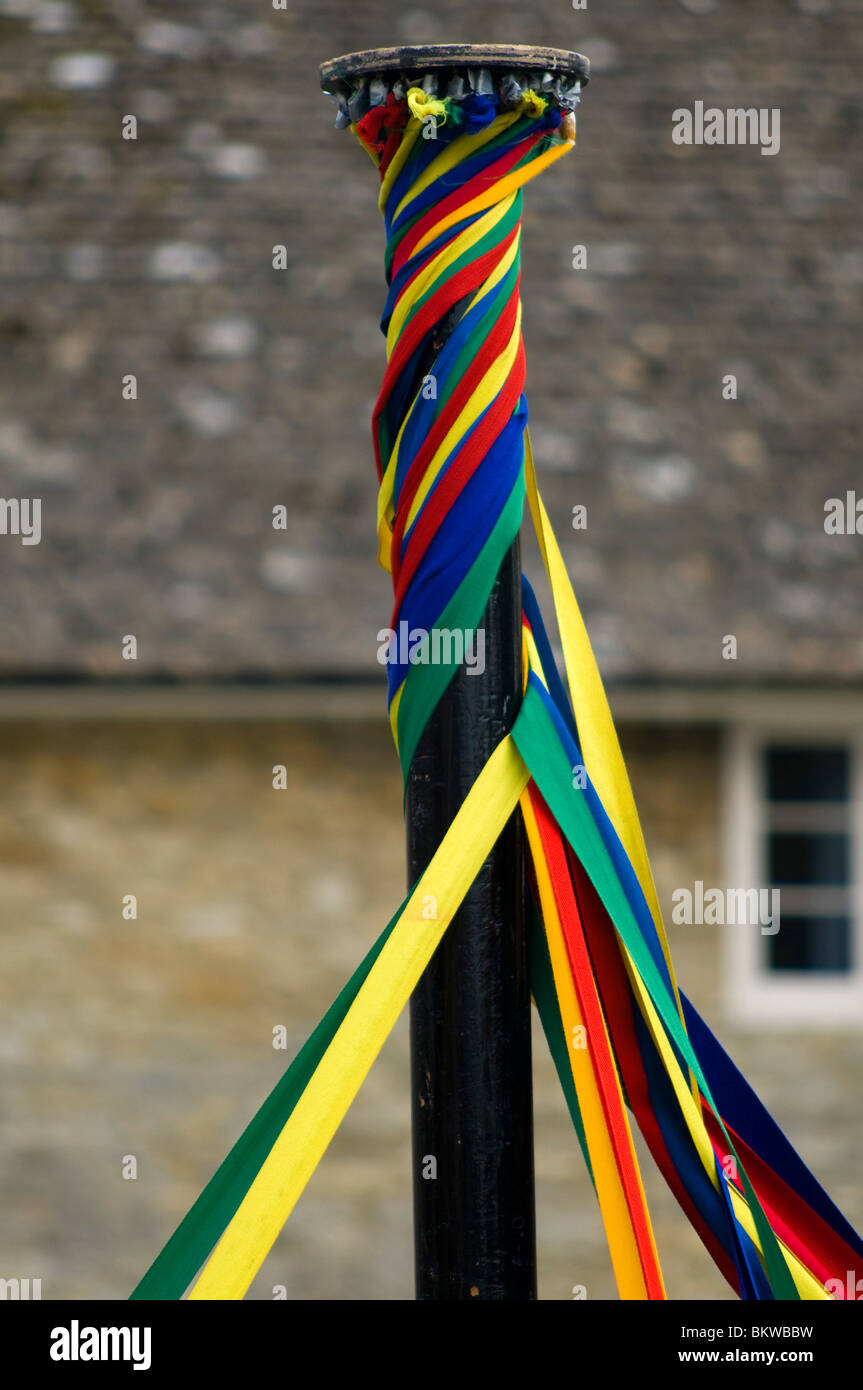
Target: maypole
(528, 873)
(474, 1228)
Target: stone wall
(153, 1037)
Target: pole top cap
(340, 75)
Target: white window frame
(752, 995)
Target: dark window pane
(810, 943)
(802, 859)
(807, 774)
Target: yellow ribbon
(369, 1021)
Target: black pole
(470, 1014)
(471, 1074)
(474, 1222)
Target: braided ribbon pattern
(449, 421)
(454, 464)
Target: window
(806, 852)
(792, 805)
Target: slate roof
(153, 257)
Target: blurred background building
(152, 258)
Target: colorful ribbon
(454, 465)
